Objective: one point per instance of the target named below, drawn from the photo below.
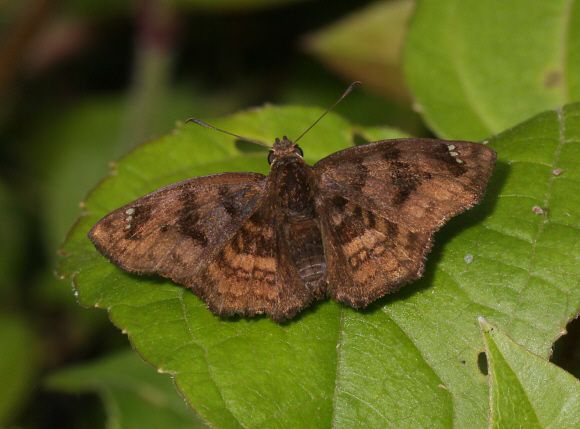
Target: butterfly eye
(271, 157)
(298, 150)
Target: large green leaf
(495, 62)
(526, 390)
(410, 360)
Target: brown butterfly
(355, 226)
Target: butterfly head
(284, 149)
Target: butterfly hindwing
(253, 273)
(375, 256)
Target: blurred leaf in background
(20, 361)
(495, 63)
(133, 393)
(366, 46)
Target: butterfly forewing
(176, 230)
(416, 182)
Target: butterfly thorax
(293, 179)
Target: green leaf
(19, 362)
(366, 46)
(526, 390)
(496, 62)
(133, 393)
(410, 360)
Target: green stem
(155, 44)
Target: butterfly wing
(171, 231)
(383, 202)
(219, 235)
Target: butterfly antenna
(203, 124)
(350, 88)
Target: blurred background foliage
(82, 83)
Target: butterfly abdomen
(307, 253)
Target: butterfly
(355, 226)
